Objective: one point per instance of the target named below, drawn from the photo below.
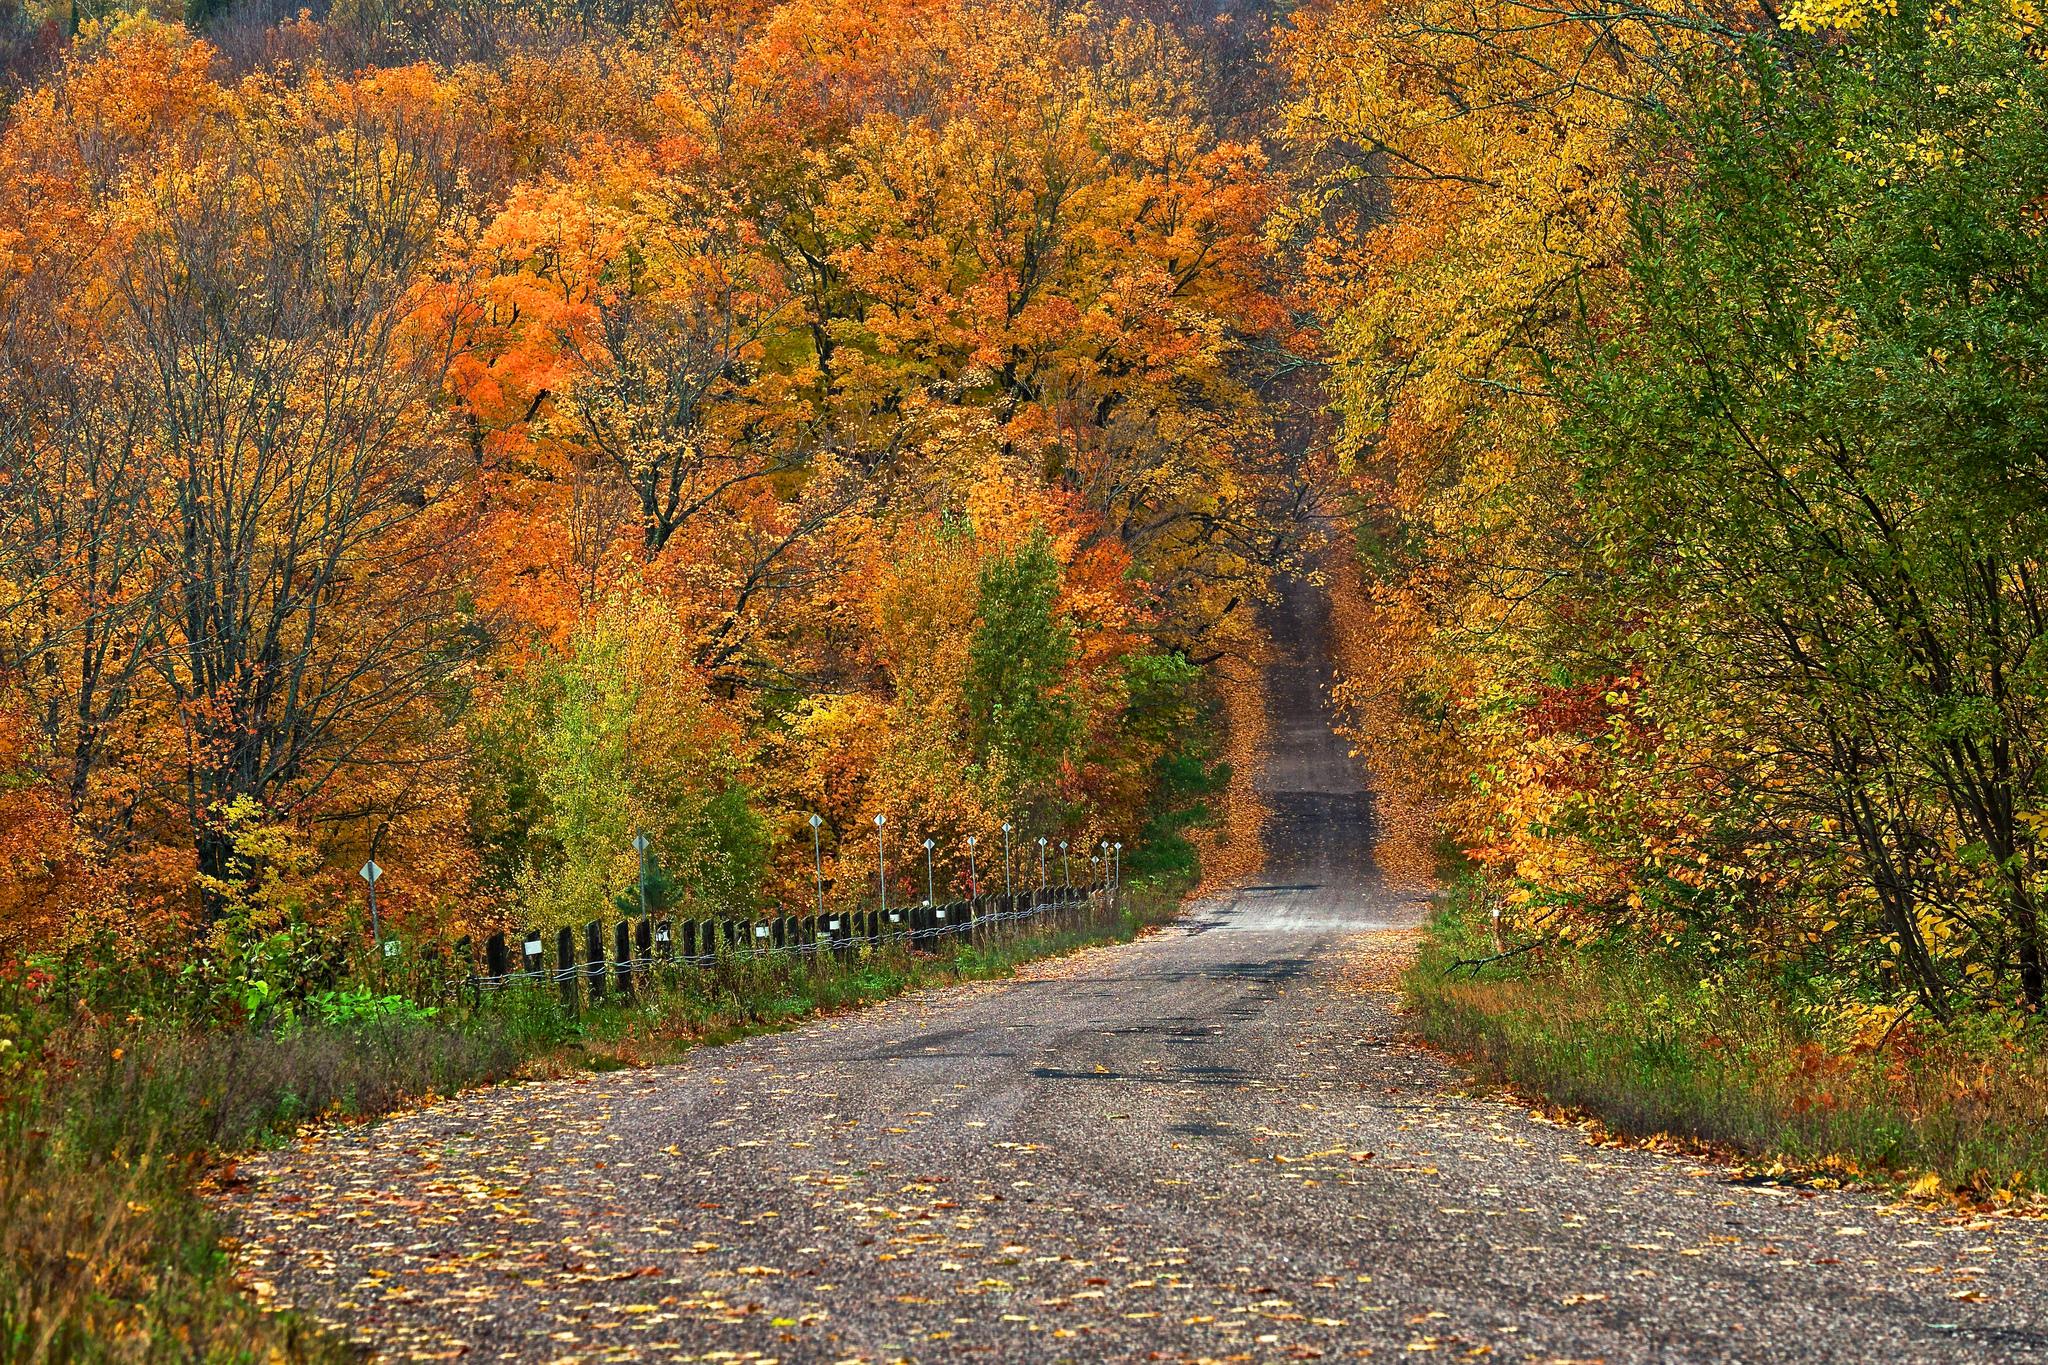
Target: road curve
(1213, 1144)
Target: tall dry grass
(1649, 1045)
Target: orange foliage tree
(849, 409)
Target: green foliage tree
(1169, 711)
(1812, 435)
(1022, 717)
(598, 744)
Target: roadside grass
(113, 1133)
(1740, 1062)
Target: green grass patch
(1652, 1044)
(111, 1129)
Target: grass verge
(1758, 1065)
(110, 1130)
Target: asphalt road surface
(1213, 1144)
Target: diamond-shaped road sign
(370, 872)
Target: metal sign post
(1041, 862)
(882, 862)
(973, 878)
(931, 899)
(818, 862)
(371, 873)
(640, 847)
(1009, 882)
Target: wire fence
(616, 960)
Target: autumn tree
(588, 749)
(1689, 474)
(1021, 713)
(229, 473)
(266, 309)
(1813, 427)
(78, 477)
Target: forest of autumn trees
(1689, 366)
(470, 440)
(469, 434)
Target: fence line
(641, 946)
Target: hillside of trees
(467, 439)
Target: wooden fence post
(622, 958)
(565, 970)
(593, 959)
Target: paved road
(1210, 1145)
